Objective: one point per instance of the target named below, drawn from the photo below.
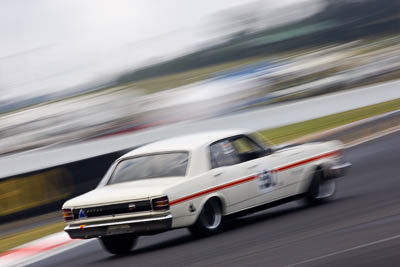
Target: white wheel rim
(211, 215)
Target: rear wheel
(119, 244)
(210, 219)
(321, 188)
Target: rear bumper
(140, 227)
(340, 170)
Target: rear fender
(193, 208)
(220, 197)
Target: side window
(247, 149)
(244, 145)
(223, 154)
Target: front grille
(129, 207)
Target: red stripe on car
(208, 191)
(247, 179)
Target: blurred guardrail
(32, 190)
(45, 190)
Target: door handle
(253, 166)
(218, 174)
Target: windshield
(150, 166)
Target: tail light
(160, 203)
(68, 215)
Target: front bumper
(138, 226)
(339, 170)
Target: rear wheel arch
(221, 200)
(209, 219)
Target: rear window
(150, 166)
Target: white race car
(197, 181)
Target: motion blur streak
(249, 54)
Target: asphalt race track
(361, 227)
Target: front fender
(310, 169)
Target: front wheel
(119, 244)
(321, 188)
(210, 219)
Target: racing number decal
(267, 180)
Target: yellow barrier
(24, 192)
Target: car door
(290, 169)
(230, 177)
(267, 184)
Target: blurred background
(72, 71)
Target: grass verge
(275, 135)
(14, 240)
(293, 131)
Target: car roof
(185, 142)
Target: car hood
(124, 192)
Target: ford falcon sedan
(198, 181)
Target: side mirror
(269, 151)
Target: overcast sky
(48, 45)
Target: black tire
(321, 188)
(210, 219)
(119, 244)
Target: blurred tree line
(338, 22)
